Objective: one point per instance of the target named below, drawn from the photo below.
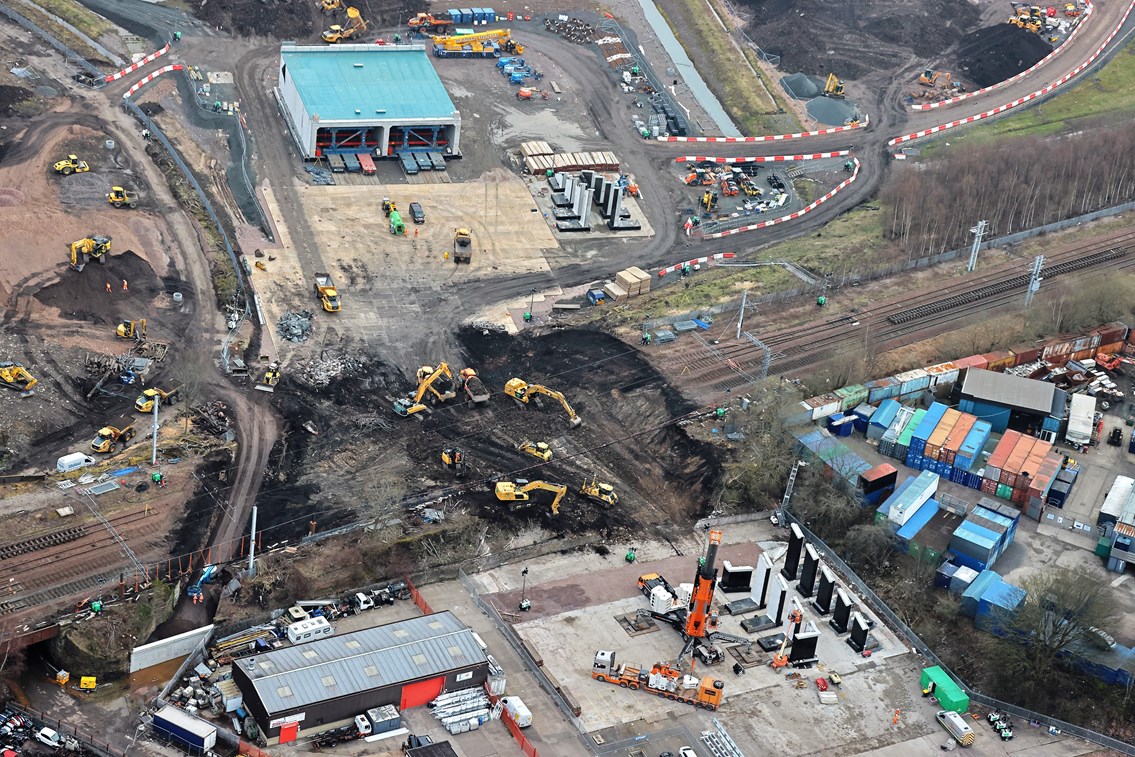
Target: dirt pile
(84, 295)
(291, 20)
(853, 39)
(995, 53)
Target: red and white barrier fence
(1022, 100)
(966, 95)
(773, 137)
(150, 77)
(803, 211)
(696, 261)
(130, 69)
(763, 158)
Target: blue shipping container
(882, 419)
(944, 574)
(929, 422)
(996, 415)
(921, 517)
(882, 389)
(967, 561)
(490, 16)
(974, 442)
(972, 595)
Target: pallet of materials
(614, 291)
(634, 280)
(572, 161)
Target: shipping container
(956, 437)
(944, 574)
(996, 415)
(926, 427)
(1000, 361)
(915, 522)
(882, 389)
(177, 725)
(1058, 494)
(1113, 332)
(973, 361)
(882, 514)
(1113, 348)
(989, 486)
(913, 382)
(970, 450)
(1027, 355)
(973, 592)
(881, 419)
(962, 579)
(902, 506)
(902, 444)
(943, 374)
(850, 396)
(1018, 497)
(823, 406)
(1003, 491)
(1016, 460)
(938, 437)
(1085, 354)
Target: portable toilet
(454, 15)
(490, 15)
(466, 15)
(478, 16)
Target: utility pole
(979, 234)
(782, 515)
(252, 546)
(1034, 279)
(741, 315)
(525, 602)
(154, 452)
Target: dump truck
(354, 28)
(427, 24)
(474, 387)
(662, 680)
(462, 246)
(121, 431)
(145, 401)
(326, 292)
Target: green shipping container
(1103, 547)
(851, 396)
(949, 694)
(1004, 491)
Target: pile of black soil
(203, 509)
(10, 97)
(84, 295)
(993, 54)
(853, 39)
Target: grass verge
(37, 16)
(743, 94)
(89, 23)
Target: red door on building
(289, 732)
(417, 694)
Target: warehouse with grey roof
(379, 100)
(309, 688)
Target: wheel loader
(119, 197)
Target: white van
(74, 461)
(309, 630)
(518, 711)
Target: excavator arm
(522, 391)
(559, 489)
(412, 404)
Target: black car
(416, 213)
(1116, 437)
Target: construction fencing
(879, 607)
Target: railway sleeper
(41, 542)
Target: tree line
(1015, 185)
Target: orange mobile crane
(697, 622)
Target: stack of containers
(997, 460)
(889, 440)
(1012, 467)
(878, 484)
(1062, 488)
(904, 537)
(991, 509)
(975, 546)
(969, 455)
(931, 455)
(850, 396)
(863, 415)
(882, 389)
(903, 504)
(902, 446)
(1037, 494)
(925, 428)
(1027, 474)
(881, 418)
(973, 592)
(913, 382)
(954, 439)
(883, 514)
(995, 603)
(944, 374)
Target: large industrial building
(1005, 400)
(373, 99)
(313, 687)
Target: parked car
(49, 737)
(417, 213)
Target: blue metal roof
(924, 515)
(377, 81)
(336, 666)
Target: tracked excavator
(521, 391)
(97, 247)
(14, 376)
(454, 459)
(833, 87)
(427, 377)
(697, 622)
(330, 7)
(355, 27)
(520, 491)
(536, 449)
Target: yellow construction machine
(536, 449)
(427, 377)
(462, 246)
(598, 491)
(121, 431)
(97, 247)
(521, 391)
(119, 197)
(270, 379)
(478, 43)
(135, 330)
(146, 400)
(15, 376)
(427, 23)
(833, 87)
(354, 28)
(520, 490)
(454, 459)
(71, 165)
(331, 6)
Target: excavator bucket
(575, 422)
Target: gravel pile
(295, 327)
(320, 371)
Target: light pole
(525, 603)
(780, 517)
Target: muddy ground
(366, 461)
(995, 53)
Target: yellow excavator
(354, 28)
(331, 6)
(833, 87)
(97, 247)
(427, 376)
(135, 330)
(519, 491)
(15, 376)
(598, 491)
(536, 449)
(521, 391)
(454, 459)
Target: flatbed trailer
(366, 163)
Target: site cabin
(309, 630)
(518, 711)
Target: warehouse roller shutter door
(417, 694)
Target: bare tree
(868, 549)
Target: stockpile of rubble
(320, 371)
(212, 417)
(295, 327)
(571, 29)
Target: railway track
(730, 363)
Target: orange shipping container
(959, 432)
(1004, 448)
(1114, 348)
(941, 432)
(1001, 360)
(1084, 354)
